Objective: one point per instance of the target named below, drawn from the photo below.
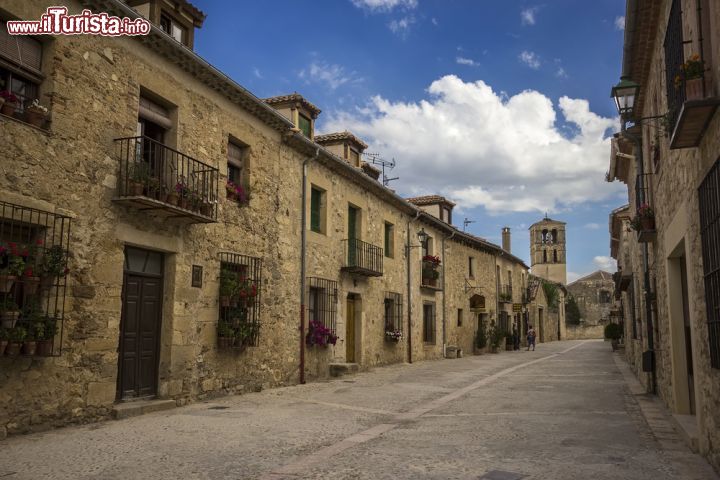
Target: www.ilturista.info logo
(56, 21)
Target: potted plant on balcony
(10, 102)
(183, 192)
(29, 342)
(247, 291)
(52, 266)
(46, 335)
(318, 334)
(235, 192)
(9, 312)
(228, 287)
(31, 282)
(226, 335)
(139, 175)
(12, 265)
(430, 272)
(35, 113)
(244, 335)
(393, 335)
(16, 336)
(644, 219)
(691, 74)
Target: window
(446, 214)
(709, 199)
(173, 29)
(471, 267)
(555, 256)
(239, 312)
(604, 296)
(674, 59)
(460, 317)
(393, 312)
(427, 247)
(429, 322)
(20, 63)
(237, 164)
(544, 256)
(354, 157)
(322, 302)
(389, 240)
(305, 125)
(317, 210)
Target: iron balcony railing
(431, 275)
(643, 190)
(362, 258)
(505, 294)
(171, 180)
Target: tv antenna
(467, 222)
(375, 159)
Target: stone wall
(585, 332)
(593, 296)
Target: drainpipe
(646, 261)
(444, 322)
(408, 251)
(303, 266)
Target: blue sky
(501, 106)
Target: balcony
(362, 258)
(644, 221)
(505, 294)
(693, 119)
(622, 282)
(431, 276)
(157, 179)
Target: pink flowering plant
(320, 335)
(236, 192)
(393, 335)
(645, 211)
(433, 259)
(9, 97)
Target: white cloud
(530, 59)
(384, 5)
(605, 263)
(561, 73)
(620, 23)
(256, 72)
(401, 27)
(434, 21)
(467, 61)
(330, 74)
(527, 16)
(479, 148)
(592, 226)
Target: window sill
(46, 131)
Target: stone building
(666, 240)
(171, 236)
(548, 250)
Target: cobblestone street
(564, 411)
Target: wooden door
(352, 235)
(350, 330)
(140, 325)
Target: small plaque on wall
(197, 276)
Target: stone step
(687, 427)
(141, 407)
(340, 369)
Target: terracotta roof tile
(339, 137)
(293, 97)
(429, 200)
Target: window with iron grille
(674, 59)
(709, 199)
(322, 302)
(393, 312)
(429, 322)
(239, 312)
(33, 278)
(20, 63)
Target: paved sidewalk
(564, 411)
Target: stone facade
(593, 294)
(93, 87)
(661, 287)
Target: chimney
(506, 239)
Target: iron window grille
(240, 300)
(429, 322)
(674, 59)
(322, 302)
(33, 275)
(709, 199)
(393, 312)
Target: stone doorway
(352, 324)
(680, 333)
(140, 322)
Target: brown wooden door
(350, 331)
(140, 330)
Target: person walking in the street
(531, 337)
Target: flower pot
(6, 282)
(172, 198)
(8, 319)
(13, 349)
(225, 342)
(224, 301)
(694, 89)
(3, 345)
(44, 348)
(8, 109)
(33, 117)
(135, 189)
(29, 347)
(647, 223)
(183, 202)
(31, 285)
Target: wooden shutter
(155, 113)
(20, 53)
(315, 210)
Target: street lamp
(625, 93)
(422, 237)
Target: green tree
(551, 294)
(572, 312)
